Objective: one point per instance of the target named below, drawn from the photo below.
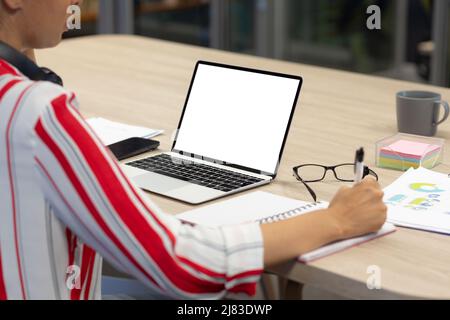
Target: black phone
(132, 147)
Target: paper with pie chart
(420, 199)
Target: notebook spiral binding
(288, 214)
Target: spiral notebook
(264, 207)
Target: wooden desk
(144, 82)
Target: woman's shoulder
(44, 94)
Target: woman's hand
(360, 209)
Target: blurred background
(412, 45)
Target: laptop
(230, 137)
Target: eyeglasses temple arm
(311, 191)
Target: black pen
(359, 165)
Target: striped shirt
(65, 204)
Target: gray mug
(418, 112)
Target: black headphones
(27, 66)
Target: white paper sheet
(111, 132)
(420, 199)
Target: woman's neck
(9, 35)
(11, 39)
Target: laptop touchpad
(158, 183)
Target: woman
(65, 203)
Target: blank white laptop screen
(237, 116)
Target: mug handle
(447, 111)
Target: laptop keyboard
(197, 173)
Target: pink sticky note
(412, 149)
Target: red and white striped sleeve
(92, 196)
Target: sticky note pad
(403, 154)
(410, 148)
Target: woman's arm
(353, 212)
(91, 195)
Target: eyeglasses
(309, 173)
